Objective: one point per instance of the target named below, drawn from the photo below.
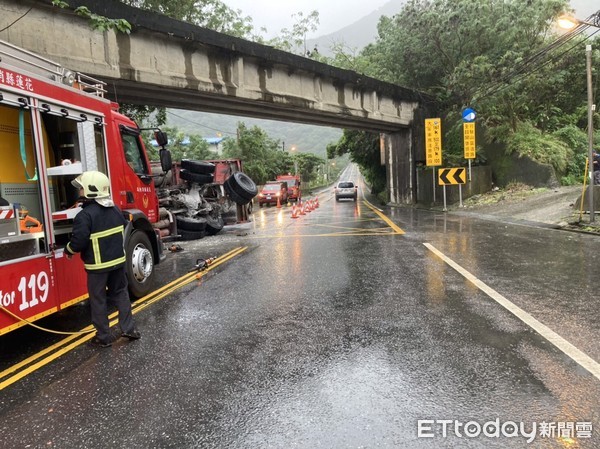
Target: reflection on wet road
(337, 330)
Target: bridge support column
(399, 161)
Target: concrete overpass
(166, 62)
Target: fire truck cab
(293, 183)
(54, 125)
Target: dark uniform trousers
(104, 287)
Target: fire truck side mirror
(161, 138)
(165, 160)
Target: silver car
(346, 189)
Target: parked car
(346, 189)
(273, 191)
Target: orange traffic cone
(278, 203)
(316, 202)
(294, 211)
(302, 209)
(309, 206)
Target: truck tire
(214, 225)
(237, 199)
(200, 167)
(198, 178)
(191, 235)
(139, 264)
(242, 185)
(191, 224)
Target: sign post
(469, 136)
(433, 145)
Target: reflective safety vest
(98, 234)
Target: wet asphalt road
(335, 331)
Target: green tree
(363, 148)
(294, 39)
(183, 147)
(429, 40)
(216, 15)
(213, 14)
(97, 22)
(145, 116)
(262, 156)
(308, 163)
(494, 56)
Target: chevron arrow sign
(451, 176)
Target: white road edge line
(578, 356)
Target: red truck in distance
(293, 184)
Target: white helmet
(94, 184)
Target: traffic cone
(316, 202)
(302, 208)
(278, 203)
(309, 207)
(294, 211)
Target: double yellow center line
(44, 357)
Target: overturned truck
(198, 198)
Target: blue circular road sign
(468, 115)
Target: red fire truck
(53, 126)
(293, 182)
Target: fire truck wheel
(198, 178)
(191, 235)
(191, 224)
(201, 167)
(140, 264)
(214, 225)
(241, 184)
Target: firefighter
(98, 235)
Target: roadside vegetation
(504, 58)
(501, 58)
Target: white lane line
(578, 356)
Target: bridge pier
(399, 161)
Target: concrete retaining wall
(510, 169)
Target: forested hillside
(305, 138)
(507, 59)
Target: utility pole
(590, 100)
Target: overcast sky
(277, 14)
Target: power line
(200, 124)
(523, 69)
(519, 74)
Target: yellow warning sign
(469, 140)
(433, 142)
(451, 176)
